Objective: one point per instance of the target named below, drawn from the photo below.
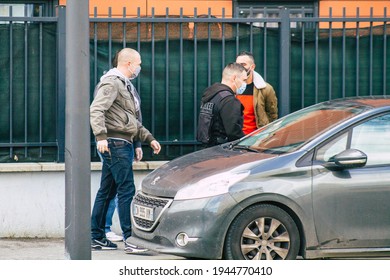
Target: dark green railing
(181, 56)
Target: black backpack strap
(217, 99)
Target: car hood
(189, 169)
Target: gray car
(315, 184)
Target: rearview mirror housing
(351, 158)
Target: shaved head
(128, 55)
(232, 69)
(232, 74)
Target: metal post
(77, 133)
(61, 82)
(284, 62)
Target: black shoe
(103, 244)
(133, 249)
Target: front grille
(158, 204)
(142, 223)
(142, 199)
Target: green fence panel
(347, 66)
(174, 75)
(28, 91)
(170, 100)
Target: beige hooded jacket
(113, 113)
(265, 101)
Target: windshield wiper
(230, 145)
(246, 148)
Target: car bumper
(205, 221)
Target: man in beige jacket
(113, 117)
(259, 98)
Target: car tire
(249, 236)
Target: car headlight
(211, 186)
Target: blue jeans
(117, 179)
(110, 213)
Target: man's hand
(155, 146)
(138, 154)
(102, 146)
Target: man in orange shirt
(259, 98)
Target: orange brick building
(216, 7)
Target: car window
(332, 148)
(371, 137)
(289, 133)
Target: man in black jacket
(221, 113)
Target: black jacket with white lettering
(227, 121)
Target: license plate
(143, 212)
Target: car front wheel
(262, 232)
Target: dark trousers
(117, 178)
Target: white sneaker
(113, 237)
(133, 249)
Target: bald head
(129, 62)
(128, 55)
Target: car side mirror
(351, 158)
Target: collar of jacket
(258, 81)
(115, 72)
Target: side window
(371, 137)
(332, 148)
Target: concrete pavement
(54, 249)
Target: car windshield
(294, 130)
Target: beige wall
(32, 200)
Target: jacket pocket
(131, 125)
(126, 100)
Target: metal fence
(28, 91)
(306, 59)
